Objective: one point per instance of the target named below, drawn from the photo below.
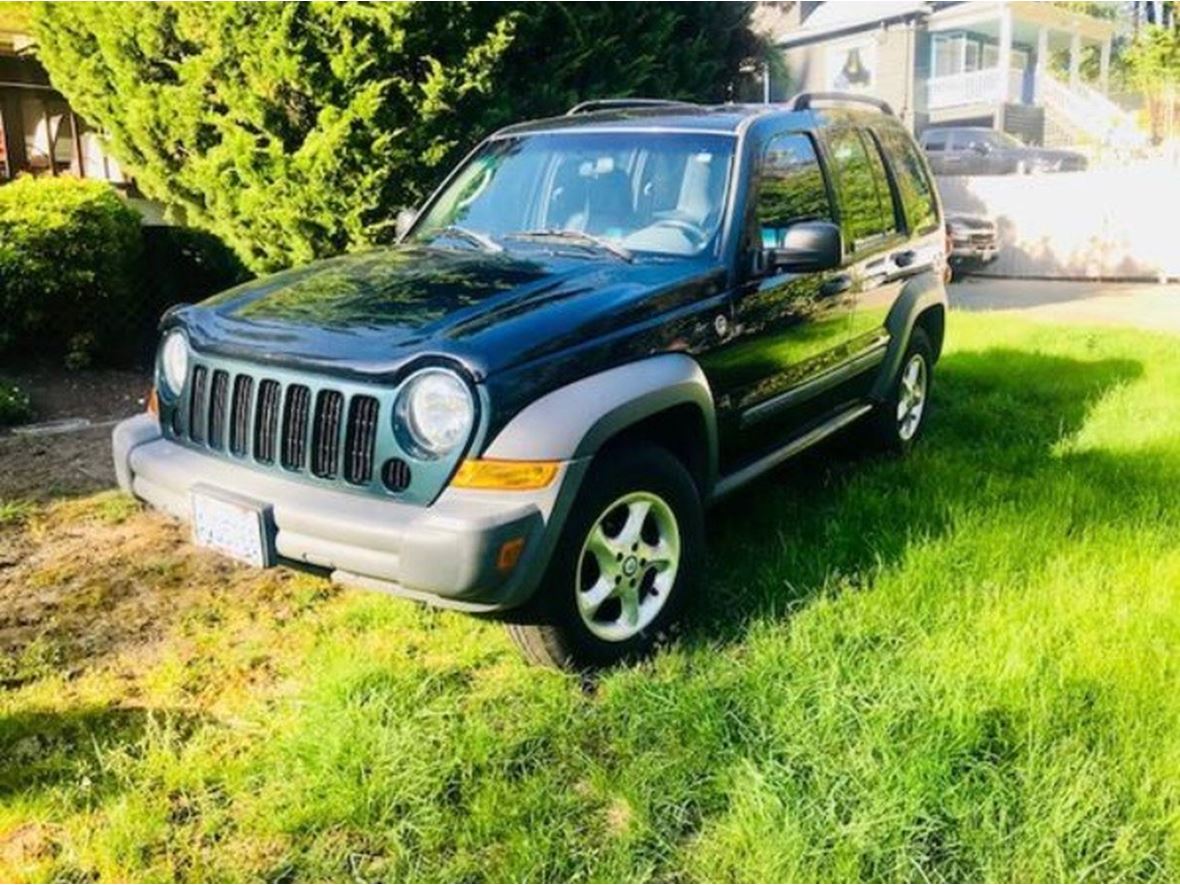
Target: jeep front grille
(323, 432)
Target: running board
(739, 478)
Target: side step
(737, 479)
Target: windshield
(634, 191)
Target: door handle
(904, 259)
(836, 285)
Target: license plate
(234, 528)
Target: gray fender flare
(574, 421)
(919, 294)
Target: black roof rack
(805, 100)
(617, 104)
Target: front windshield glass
(639, 191)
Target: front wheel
(629, 558)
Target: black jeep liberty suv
(599, 324)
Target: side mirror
(808, 247)
(981, 147)
(403, 222)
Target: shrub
(15, 407)
(69, 268)
(295, 131)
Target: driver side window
(791, 189)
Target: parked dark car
(971, 150)
(597, 326)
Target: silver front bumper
(445, 554)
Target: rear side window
(914, 188)
(934, 141)
(791, 188)
(866, 205)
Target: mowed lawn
(963, 665)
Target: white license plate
(229, 527)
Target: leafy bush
(294, 131)
(80, 279)
(69, 259)
(15, 407)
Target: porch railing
(976, 87)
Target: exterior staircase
(1081, 115)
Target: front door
(787, 328)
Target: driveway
(1149, 306)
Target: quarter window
(792, 188)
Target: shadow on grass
(41, 748)
(829, 519)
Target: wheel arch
(922, 303)
(664, 399)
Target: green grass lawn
(963, 665)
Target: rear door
(907, 191)
(875, 242)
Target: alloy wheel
(911, 399)
(627, 567)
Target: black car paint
(533, 318)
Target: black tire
(886, 424)
(551, 631)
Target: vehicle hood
(372, 313)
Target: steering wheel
(693, 231)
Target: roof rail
(616, 104)
(805, 100)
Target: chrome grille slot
(324, 432)
(266, 421)
(218, 392)
(295, 421)
(325, 446)
(239, 424)
(196, 405)
(360, 439)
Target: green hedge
(69, 267)
(82, 281)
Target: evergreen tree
(296, 130)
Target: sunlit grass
(960, 666)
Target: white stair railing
(1085, 111)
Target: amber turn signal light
(517, 476)
(153, 403)
(509, 554)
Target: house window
(991, 56)
(49, 136)
(971, 56)
(948, 54)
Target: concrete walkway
(1144, 305)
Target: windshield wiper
(577, 235)
(483, 241)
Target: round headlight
(434, 413)
(174, 361)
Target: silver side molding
(739, 478)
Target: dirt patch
(40, 468)
(83, 580)
(94, 394)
